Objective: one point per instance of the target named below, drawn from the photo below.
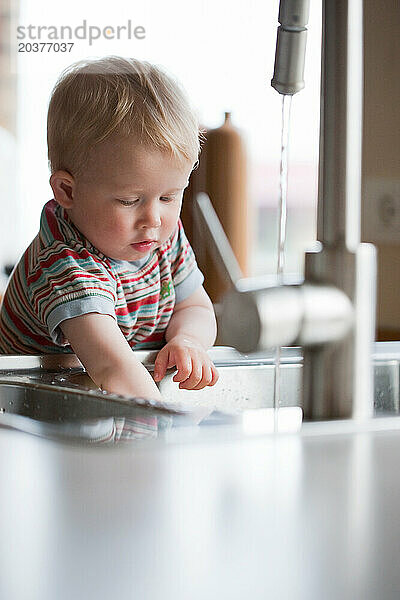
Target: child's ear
(63, 186)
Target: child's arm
(191, 330)
(107, 357)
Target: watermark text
(84, 31)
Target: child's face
(128, 200)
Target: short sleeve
(186, 275)
(66, 284)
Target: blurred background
(223, 53)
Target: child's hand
(195, 369)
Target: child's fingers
(215, 375)
(184, 366)
(206, 378)
(161, 364)
(171, 359)
(195, 377)
(210, 376)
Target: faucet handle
(215, 235)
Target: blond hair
(94, 99)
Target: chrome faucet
(332, 313)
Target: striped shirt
(62, 275)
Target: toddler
(111, 268)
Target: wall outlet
(381, 211)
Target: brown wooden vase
(222, 175)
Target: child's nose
(151, 216)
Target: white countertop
(299, 516)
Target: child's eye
(127, 202)
(167, 198)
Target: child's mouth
(143, 246)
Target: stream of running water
(282, 219)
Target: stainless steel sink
(55, 390)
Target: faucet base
(338, 379)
